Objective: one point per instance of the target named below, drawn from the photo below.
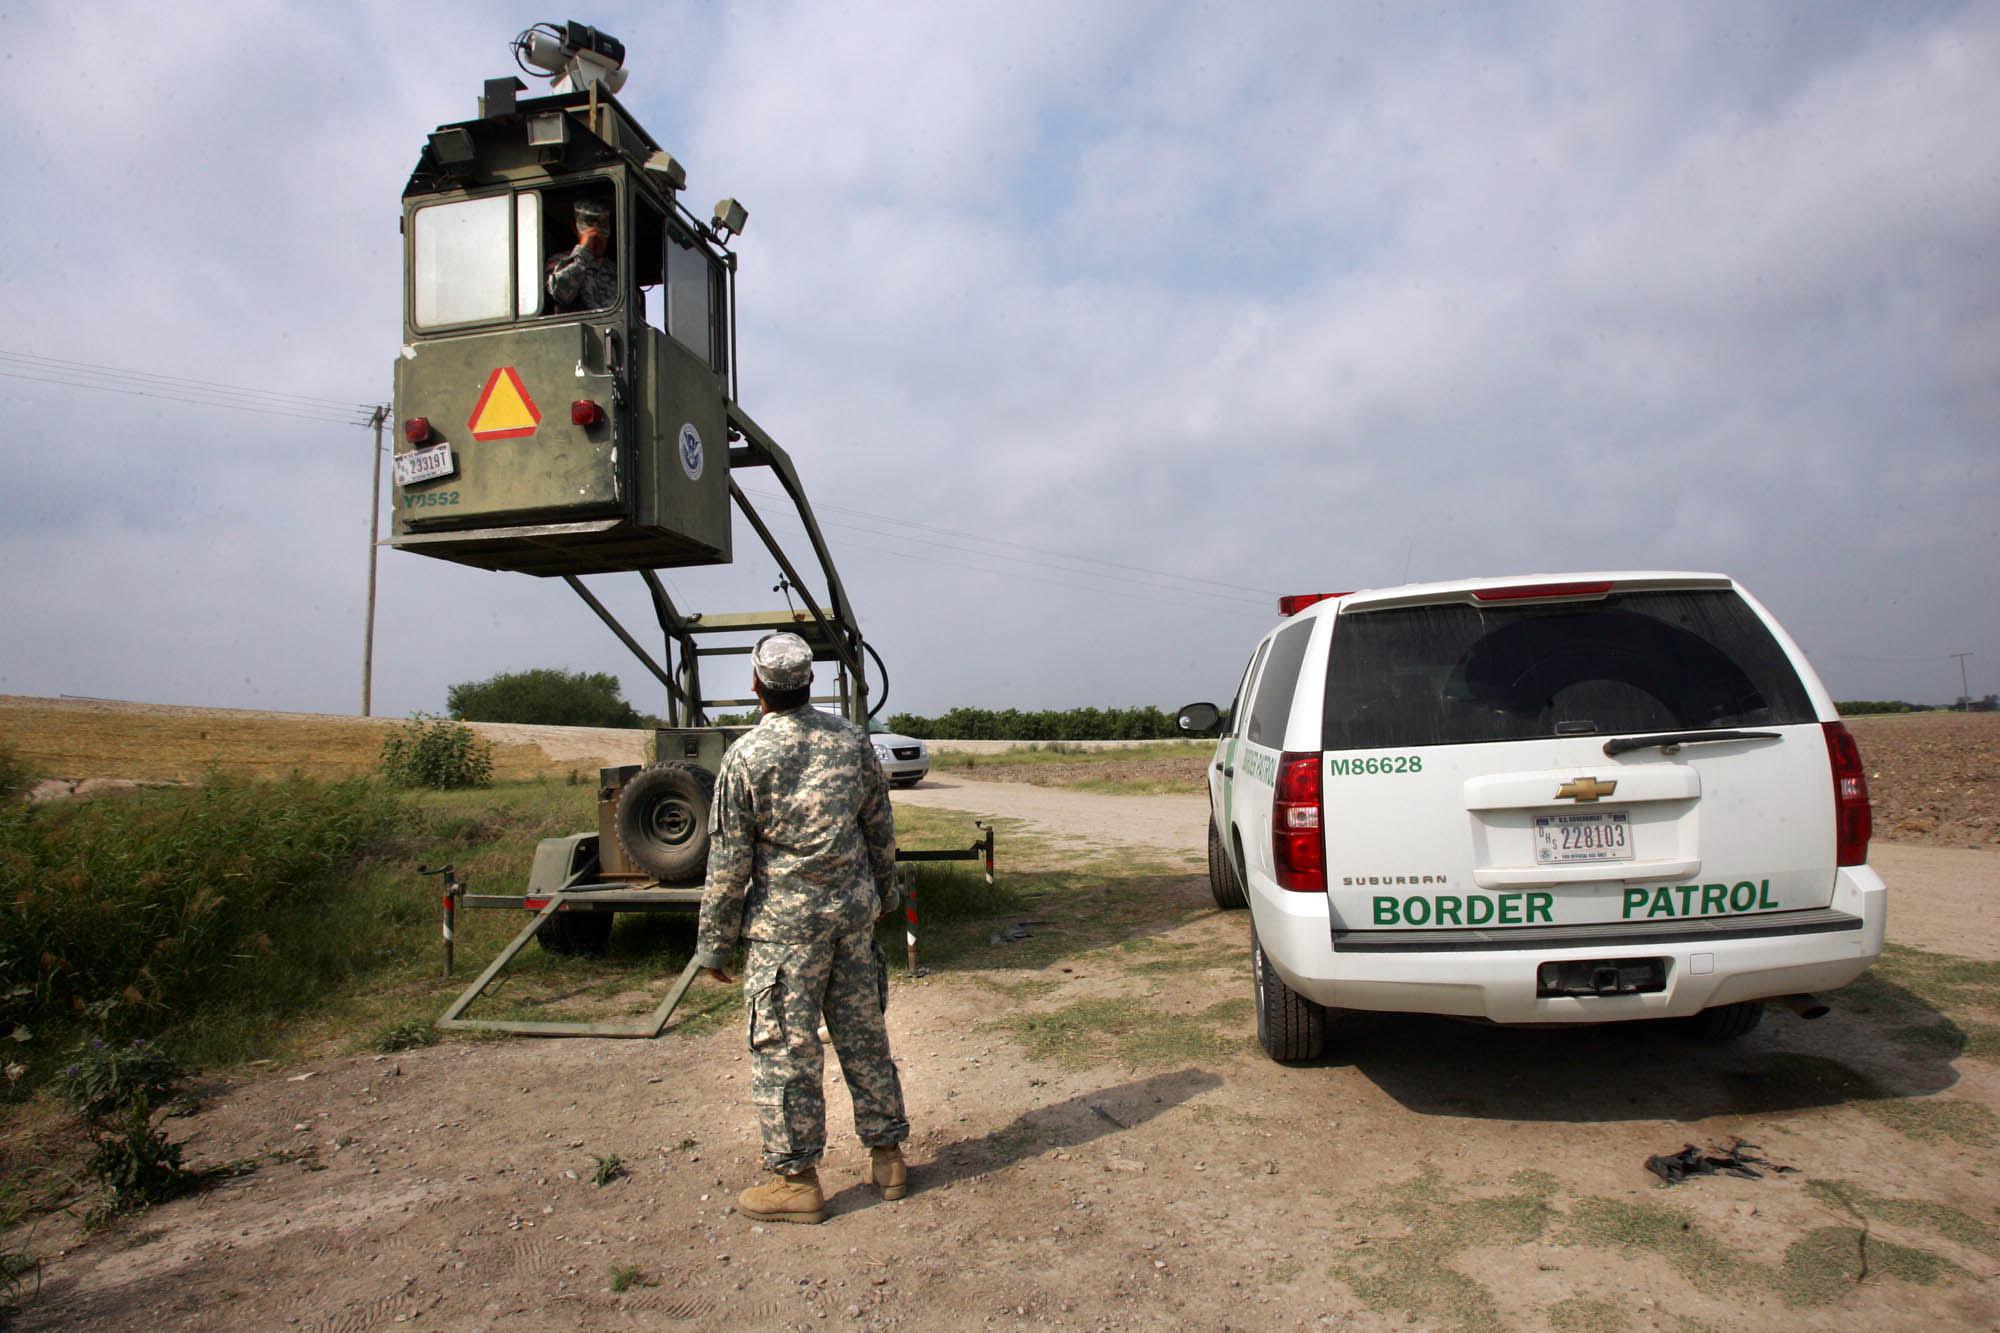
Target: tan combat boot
(784, 1199)
(887, 1170)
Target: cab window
(694, 298)
(493, 258)
(461, 265)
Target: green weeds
(128, 916)
(116, 1089)
(606, 1169)
(435, 752)
(624, 1277)
(404, 1036)
(1132, 1030)
(1411, 1272)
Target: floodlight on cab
(548, 129)
(668, 169)
(729, 218)
(453, 148)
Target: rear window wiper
(1621, 744)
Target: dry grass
(83, 738)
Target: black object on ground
(1737, 1160)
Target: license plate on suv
(1601, 835)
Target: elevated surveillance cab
(564, 387)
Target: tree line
(1014, 724)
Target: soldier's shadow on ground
(1885, 1043)
(1057, 1127)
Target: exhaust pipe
(1805, 1006)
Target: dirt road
(1100, 1145)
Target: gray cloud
(1303, 299)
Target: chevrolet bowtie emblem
(1586, 789)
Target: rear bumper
(1495, 979)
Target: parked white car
(905, 761)
(1561, 798)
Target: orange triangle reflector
(505, 410)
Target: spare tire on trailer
(662, 821)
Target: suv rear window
(1633, 662)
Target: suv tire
(662, 821)
(587, 933)
(1725, 1022)
(1222, 880)
(1290, 1027)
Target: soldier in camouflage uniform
(801, 863)
(587, 277)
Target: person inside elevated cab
(586, 278)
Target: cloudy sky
(1091, 327)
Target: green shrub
(116, 1087)
(436, 752)
(131, 915)
(103, 1079)
(546, 696)
(1858, 707)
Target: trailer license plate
(1602, 835)
(424, 464)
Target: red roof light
(1299, 601)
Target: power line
(1261, 596)
(1038, 564)
(1071, 584)
(99, 369)
(180, 389)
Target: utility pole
(1964, 689)
(376, 419)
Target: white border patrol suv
(1551, 799)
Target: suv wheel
(1725, 1022)
(1290, 1027)
(1222, 880)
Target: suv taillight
(1297, 851)
(1853, 818)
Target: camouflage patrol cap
(593, 213)
(782, 662)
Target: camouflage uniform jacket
(581, 280)
(802, 843)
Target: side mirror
(1199, 720)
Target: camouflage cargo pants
(788, 989)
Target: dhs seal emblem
(690, 451)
